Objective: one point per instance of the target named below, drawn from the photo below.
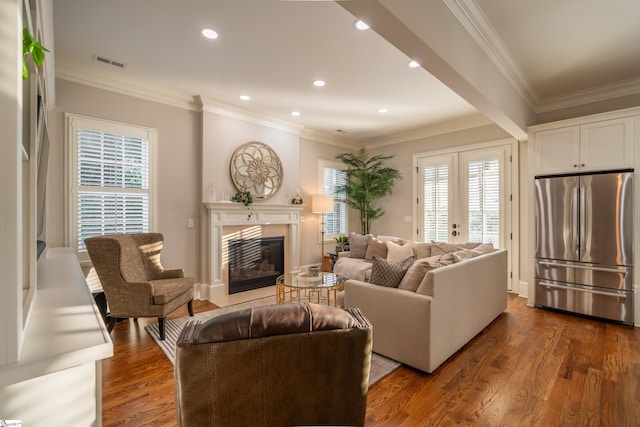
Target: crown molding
(230, 111)
(325, 138)
(475, 22)
(107, 81)
(468, 122)
(589, 96)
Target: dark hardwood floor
(530, 367)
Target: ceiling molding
(226, 110)
(475, 22)
(337, 140)
(589, 96)
(107, 81)
(469, 122)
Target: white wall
(178, 165)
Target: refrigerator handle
(574, 217)
(583, 219)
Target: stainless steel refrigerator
(584, 244)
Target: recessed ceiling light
(319, 83)
(245, 97)
(383, 110)
(209, 33)
(295, 113)
(361, 25)
(414, 64)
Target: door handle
(586, 291)
(454, 233)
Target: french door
(464, 196)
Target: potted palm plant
(368, 179)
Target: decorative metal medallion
(256, 168)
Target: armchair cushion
(167, 290)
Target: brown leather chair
(277, 365)
(134, 282)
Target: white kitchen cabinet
(606, 145)
(557, 151)
(596, 146)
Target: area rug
(380, 366)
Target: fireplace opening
(255, 263)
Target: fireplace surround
(227, 220)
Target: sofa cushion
(422, 250)
(397, 252)
(389, 274)
(377, 248)
(414, 275)
(441, 248)
(482, 249)
(358, 245)
(352, 268)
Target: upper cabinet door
(557, 151)
(606, 145)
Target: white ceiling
(553, 54)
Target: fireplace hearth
(255, 262)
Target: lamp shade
(322, 204)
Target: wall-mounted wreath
(256, 168)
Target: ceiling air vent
(109, 61)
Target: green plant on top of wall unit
(367, 181)
(30, 46)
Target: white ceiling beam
(429, 32)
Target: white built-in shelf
(64, 328)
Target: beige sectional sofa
(455, 300)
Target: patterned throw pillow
(358, 245)
(387, 273)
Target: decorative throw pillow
(461, 255)
(387, 273)
(441, 248)
(484, 248)
(414, 275)
(358, 245)
(375, 248)
(422, 250)
(396, 252)
(470, 245)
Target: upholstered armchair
(277, 365)
(133, 279)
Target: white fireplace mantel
(221, 214)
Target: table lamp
(321, 205)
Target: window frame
(75, 122)
(322, 164)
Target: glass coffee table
(296, 287)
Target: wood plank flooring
(530, 367)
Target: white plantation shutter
(112, 179)
(484, 201)
(436, 202)
(336, 222)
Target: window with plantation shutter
(111, 179)
(436, 202)
(484, 201)
(461, 196)
(334, 176)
